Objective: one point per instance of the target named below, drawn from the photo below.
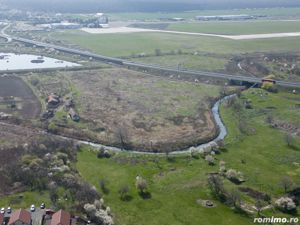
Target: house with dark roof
(20, 217)
(61, 218)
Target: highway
(127, 63)
(4, 35)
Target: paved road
(119, 61)
(4, 35)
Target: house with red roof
(1, 218)
(61, 218)
(20, 217)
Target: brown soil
(14, 89)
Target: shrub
(103, 186)
(286, 183)
(123, 191)
(217, 187)
(285, 204)
(141, 184)
(103, 153)
(210, 160)
(53, 128)
(269, 87)
(222, 167)
(235, 176)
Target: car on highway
(8, 210)
(2, 211)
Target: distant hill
(142, 5)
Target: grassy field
(267, 156)
(25, 200)
(238, 28)
(176, 184)
(272, 12)
(195, 62)
(125, 45)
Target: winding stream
(217, 118)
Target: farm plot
(17, 99)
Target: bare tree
(141, 184)
(286, 183)
(122, 136)
(289, 139)
(234, 198)
(259, 206)
(217, 187)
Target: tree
(285, 204)
(123, 191)
(235, 176)
(234, 198)
(290, 141)
(158, 52)
(141, 184)
(259, 206)
(167, 150)
(103, 186)
(217, 188)
(222, 169)
(86, 193)
(53, 195)
(286, 183)
(210, 160)
(123, 137)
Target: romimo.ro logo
(294, 220)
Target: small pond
(11, 61)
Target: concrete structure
(225, 17)
(102, 20)
(20, 217)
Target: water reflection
(11, 61)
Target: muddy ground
(16, 98)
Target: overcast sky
(142, 5)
